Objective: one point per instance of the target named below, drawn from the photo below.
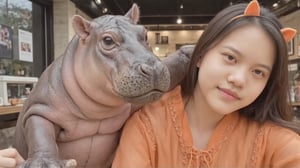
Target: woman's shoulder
(282, 145)
(278, 140)
(269, 134)
(281, 134)
(275, 130)
(267, 128)
(159, 110)
(271, 143)
(170, 99)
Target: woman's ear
(199, 63)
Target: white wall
(63, 11)
(174, 37)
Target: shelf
(295, 103)
(293, 57)
(18, 79)
(4, 110)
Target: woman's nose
(237, 78)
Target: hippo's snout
(145, 70)
(144, 84)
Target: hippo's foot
(48, 163)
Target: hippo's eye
(108, 43)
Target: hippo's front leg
(178, 64)
(40, 135)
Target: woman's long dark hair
(272, 104)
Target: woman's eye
(258, 72)
(230, 58)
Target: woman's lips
(229, 93)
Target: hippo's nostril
(145, 69)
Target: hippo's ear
(81, 26)
(134, 13)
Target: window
(26, 47)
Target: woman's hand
(10, 158)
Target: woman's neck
(202, 119)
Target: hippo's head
(117, 49)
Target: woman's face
(234, 72)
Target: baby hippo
(74, 115)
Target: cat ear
(253, 9)
(288, 33)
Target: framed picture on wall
(6, 34)
(290, 47)
(157, 38)
(164, 39)
(25, 46)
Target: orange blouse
(159, 136)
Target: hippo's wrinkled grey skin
(75, 113)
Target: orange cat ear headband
(253, 9)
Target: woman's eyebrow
(234, 50)
(240, 54)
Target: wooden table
(9, 116)
(4, 110)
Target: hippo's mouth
(145, 98)
(141, 89)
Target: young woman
(10, 158)
(231, 111)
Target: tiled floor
(6, 137)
